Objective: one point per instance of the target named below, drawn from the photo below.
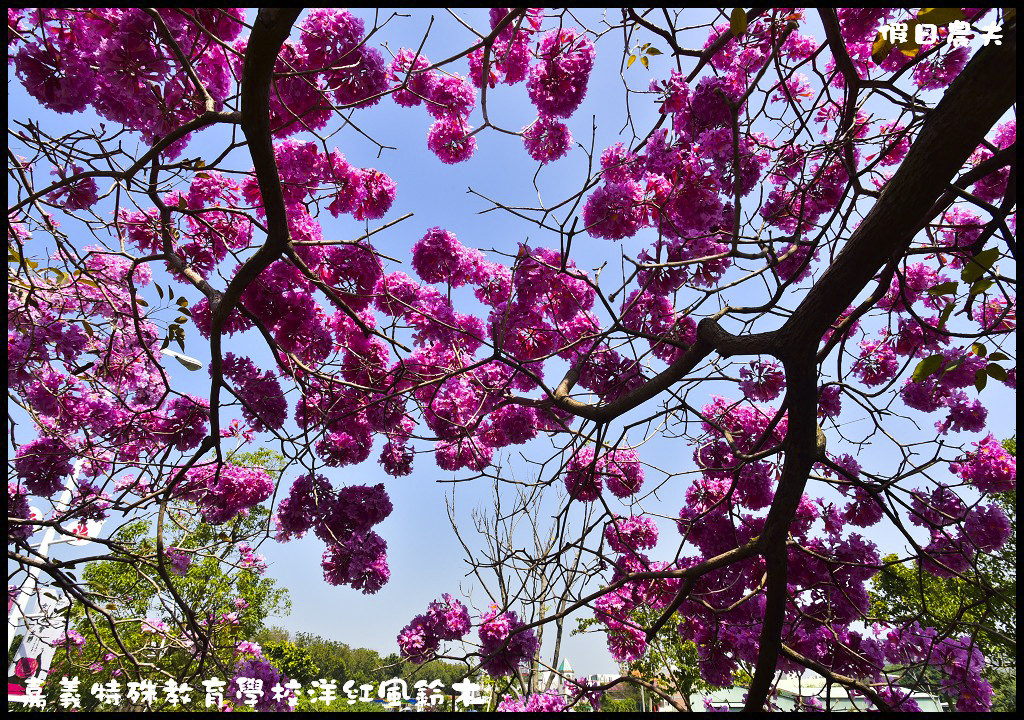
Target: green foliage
(293, 661)
(308, 657)
(984, 598)
(227, 603)
(669, 661)
(1004, 685)
(613, 704)
(118, 647)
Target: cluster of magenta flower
(445, 619)
(108, 59)
(829, 566)
(113, 412)
(505, 642)
(109, 411)
(536, 702)
(260, 669)
(556, 84)
(343, 519)
(619, 469)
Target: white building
(558, 682)
(798, 690)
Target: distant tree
(984, 597)
(295, 662)
(132, 626)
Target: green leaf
(980, 380)
(996, 371)
(997, 356)
(653, 51)
(182, 301)
(945, 288)
(88, 328)
(926, 367)
(944, 315)
(979, 349)
(141, 302)
(738, 21)
(643, 60)
(159, 291)
(981, 286)
(940, 16)
(880, 48)
(910, 48)
(978, 264)
(629, 63)
(952, 366)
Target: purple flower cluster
(264, 404)
(445, 619)
(223, 491)
(180, 560)
(70, 60)
(997, 315)
(450, 139)
(268, 677)
(77, 194)
(249, 559)
(18, 508)
(43, 465)
(72, 640)
(510, 53)
(307, 502)
(987, 527)
(409, 70)
(581, 477)
(631, 534)
(111, 411)
(546, 139)
(537, 702)
(503, 646)
(343, 519)
(249, 648)
(558, 82)
(619, 468)
(762, 380)
(959, 659)
(990, 468)
(329, 62)
(360, 560)
(448, 98)
(439, 257)
(992, 187)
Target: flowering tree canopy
(808, 251)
